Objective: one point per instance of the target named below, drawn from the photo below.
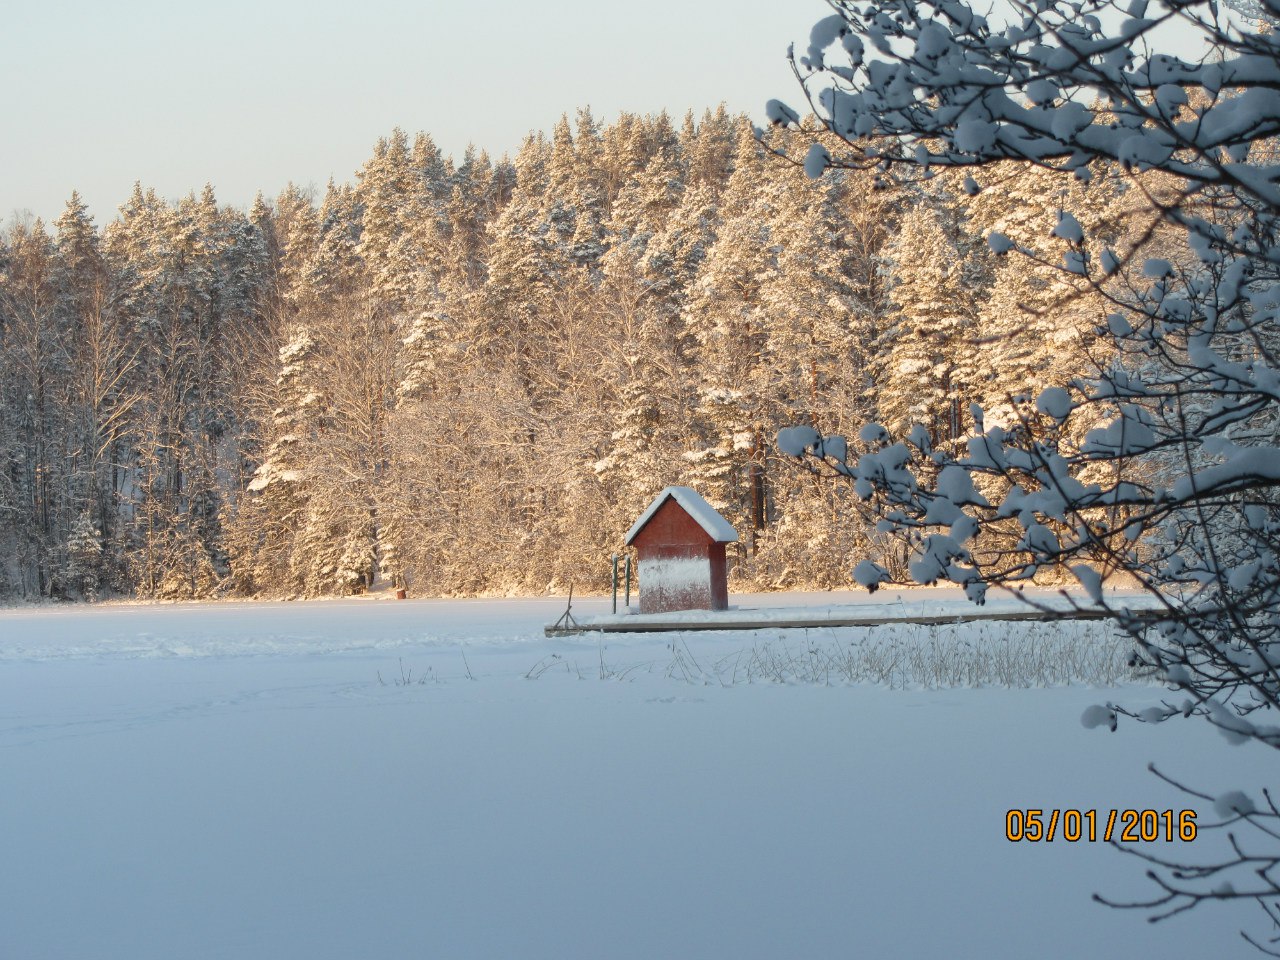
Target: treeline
(470, 377)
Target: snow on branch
(1160, 468)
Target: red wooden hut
(681, 540)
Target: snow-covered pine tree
(648, 386)
(929, 357)
(472, 202)
(587, 191)
(724, 316)
(824, 303)
(819, 340)
(435, 171)
(710, 147)
(297, 229)
(32, 372)
(1036, 326)
(101, 392)
(251, 313)
(518, 254)
(673, 257)
(187, 422)
(388, 188)
(643, 207)
(625, 149)
(334, 267)
(266, 528)
(347, 348)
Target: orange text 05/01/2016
(1125, 826)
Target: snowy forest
(469, 377)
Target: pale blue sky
(249, 94)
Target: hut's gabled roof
(717, 527)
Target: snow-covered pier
(915, 611)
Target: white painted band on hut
(680, 540)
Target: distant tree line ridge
(471, 377)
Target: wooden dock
(806, 618)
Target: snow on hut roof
(717, 527)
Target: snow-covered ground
(260, 781)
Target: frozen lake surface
(383, 779)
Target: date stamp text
(1126, 826)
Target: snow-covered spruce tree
(84, 557)
(1180, 486)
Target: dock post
(628, 569)
(614, 564)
